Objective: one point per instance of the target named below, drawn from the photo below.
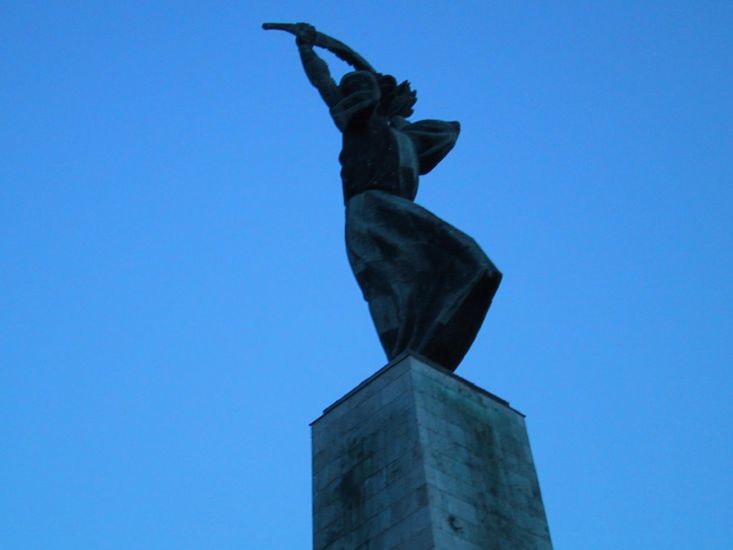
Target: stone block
(416, 457)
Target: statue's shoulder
(433, 140)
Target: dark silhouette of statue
(428, 285)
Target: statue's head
(397, 100)
(358, 81)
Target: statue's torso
(376, 156)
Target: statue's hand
(305, 33)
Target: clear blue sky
(176, 304)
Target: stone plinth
(418, 458)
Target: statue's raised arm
(306, 36)
(336, 47)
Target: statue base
(416, 457)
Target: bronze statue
(428, 285)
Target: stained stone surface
(416, 457)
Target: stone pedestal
(418, 458)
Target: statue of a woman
(428, 285)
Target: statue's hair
(396, 99)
